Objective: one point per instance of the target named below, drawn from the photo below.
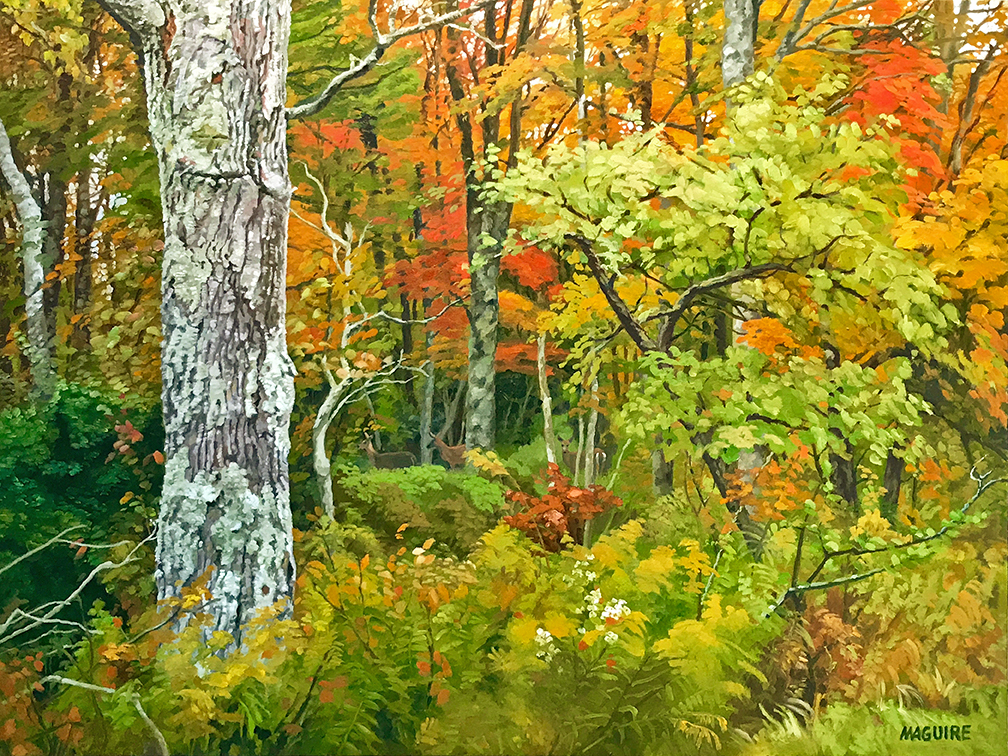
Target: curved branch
(383, 42)
(606, 284)
(717, 282)
(983, 481)
(162, 745)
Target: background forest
(651, 387)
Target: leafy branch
(984, 483)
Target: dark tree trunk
(892, 480)
(86, 214)
(54, 212)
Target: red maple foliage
(564, 508)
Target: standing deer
(387, 460)
(570, 458)
(453, 455)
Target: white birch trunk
(549, 435)
(737, 56)
(215, 77)
(589, 460)
(30, 215)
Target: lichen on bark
(215, 79)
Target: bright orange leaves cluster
(562, 511)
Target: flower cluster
(547, 648)
(614, 611)
(581, 573)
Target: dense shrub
(83, 459)
(455, 507)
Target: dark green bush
(60, 466)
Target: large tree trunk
(30, 216)
(215, 76)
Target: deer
(570, 458)
(387, 460)
(453, 455)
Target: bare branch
(45, 615)
(140, 18)
(37, 549)
(383, 42)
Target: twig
(162, 745)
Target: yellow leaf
(333, 595)
(559, 625)
(524, 630)
(654, 572)
(605, 554)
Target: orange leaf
(442, 696)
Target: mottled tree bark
(737, 54)
(30, 216)
(487, 224)
(215, 77)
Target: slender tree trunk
(85, 216)
(580, 455)
(738, 62)
(488, 224)
(737, 53)
(427, 409)
(320, 455)
(215, 77)
(892, 480)
(589, 458)
(30, 217)
(661, 470)
(54, 216)
(549, 435)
